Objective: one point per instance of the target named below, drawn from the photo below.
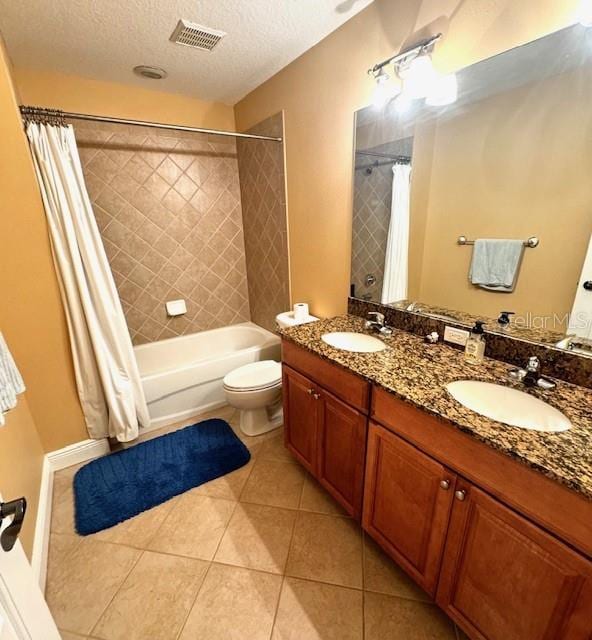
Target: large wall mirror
(510, 160)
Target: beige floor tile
(69, 472)
(138, 531)
(62, 510)
(315, 498)
(61, 545)
(273, 449)
(382, 575)
(316, 611)
(275, 483)
(224, 413)
(326, 548)
(400, 619)
(252, 441)
(228, 487)
(82, 587)
(154, 600)
(66, 635)
(194, 527)
(234, 603)
(257, 537)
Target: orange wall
(83, 95)
(31, 314)
(321, 90)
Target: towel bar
(531, 242)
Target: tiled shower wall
(169, 210)
(371, 218)
(263, 196)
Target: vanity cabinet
(324, 432)
(494, 572)
(408, 498)
(301, 418)
(504, 578)
(504, 550)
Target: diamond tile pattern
(371, 217)
(169, 211)
(263, 195)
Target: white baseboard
(76, 453)
(54, 461)
(42, 524)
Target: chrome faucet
(531, 376)
(377, 323)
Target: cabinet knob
(316, 396)
(460, 495)
(445, 484)
(310, 391)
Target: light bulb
(418, 77)
(385, 90)
(584, 13)
(444, 91)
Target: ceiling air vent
(196, 35)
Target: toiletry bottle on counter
(475, 347)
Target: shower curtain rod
(30, 113)
(391, 157)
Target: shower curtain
(394, 284)
(107, 376)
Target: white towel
(495, 264)
(11, 382)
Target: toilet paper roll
(300, 311)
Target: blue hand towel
(495, 264)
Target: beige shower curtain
(107, 375)
(395, 282)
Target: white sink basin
(358, 342)
(508, 405)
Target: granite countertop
(418, 372)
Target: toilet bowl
(256, 391)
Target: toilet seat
(255, 376)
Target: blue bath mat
(119, 486)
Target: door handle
(16, 509)
(588, 285)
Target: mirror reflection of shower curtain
(394, 286)
(108, 381)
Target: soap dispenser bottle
(475, 347)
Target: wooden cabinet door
(407, 503)
(342, 452)
(504, 578)
(301, 418)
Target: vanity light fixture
(418, 77)
(385, 89)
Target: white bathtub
(183, 376)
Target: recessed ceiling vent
(195, 35)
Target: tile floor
(262, 553)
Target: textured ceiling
(105, 39)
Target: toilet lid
(257, 375)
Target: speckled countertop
(418, 372)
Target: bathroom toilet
(256, 390)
